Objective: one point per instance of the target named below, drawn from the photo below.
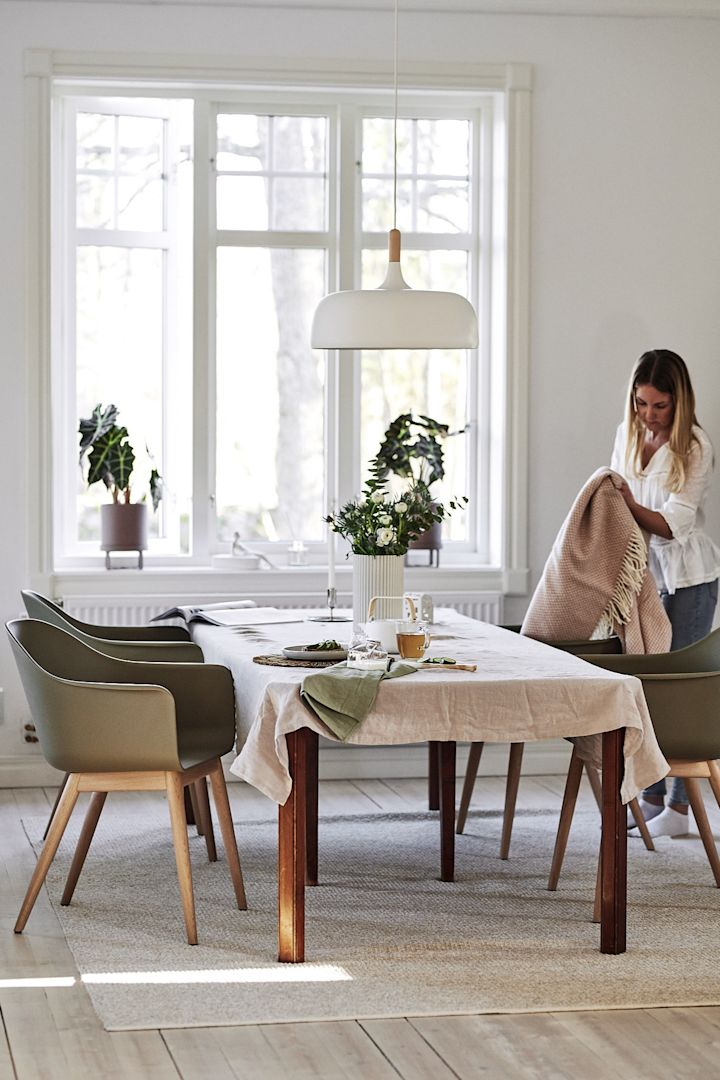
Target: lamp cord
(395, 117)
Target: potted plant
(111, 458)
(412, 450)
(379, 528)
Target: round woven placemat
(285, 661)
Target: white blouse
(691, 557)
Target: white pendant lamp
(394, 316)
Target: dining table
(521, 690)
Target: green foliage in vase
(111, 458)
(379, 524)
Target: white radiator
(133, 610)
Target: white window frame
(505, 377)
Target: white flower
(401, 507)
(385, 519)
(378, 496)
(384, 537)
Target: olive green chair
(39, 607)
(127, 646)
(144, 643)
(682, 691)
(601, 645)
(119, 725)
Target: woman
(667, 460)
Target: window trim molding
(42, 67)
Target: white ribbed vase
(378, 575)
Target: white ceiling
(633, 8)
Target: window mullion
(204, 266)
(347, 277)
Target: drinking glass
(412, 639)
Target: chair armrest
(174, 652)
(137, 633)
(634, 663)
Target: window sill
(302, 585)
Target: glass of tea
(412, 639)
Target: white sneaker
(647, 809)
(669, 823)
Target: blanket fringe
(627, 587)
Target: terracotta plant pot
(123, 527)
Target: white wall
(625, 214)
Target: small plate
(302, 652)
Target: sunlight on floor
(284, 973)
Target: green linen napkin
(342, 697)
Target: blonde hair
(666, 372)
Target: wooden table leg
(292, 863)
(613, 898)
(311, 807)
(446, 780)
(433, 776)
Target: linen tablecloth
(522, 691)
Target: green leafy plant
(376, 523)
(411, 449)
(111, 458)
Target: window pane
(95, 141)
(119, 357)
(95, 201)
(298, 204)
(241, 142)
(442, 206)
(443, 147)
(271, 172)
(433, 161)
(270, 395)
(140, 141)
(242, 202)
(140, 203)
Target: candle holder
(332, 617)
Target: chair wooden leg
(63, 782)
(473, 762)
(715, 779)
(572, 786)
(176, 806)
(701, 820)
(511, 790)
(595, 782)
(597, 906)
(88, 831)
(222, 805)
(189, 810)
(203, 805)
(57, 828)
(195, 816)
(641, 824)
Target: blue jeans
(691, 612)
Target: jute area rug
(384, 937)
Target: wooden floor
(53, 1033)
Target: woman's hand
(649, 520)
(627, 495)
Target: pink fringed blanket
(596, 580)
